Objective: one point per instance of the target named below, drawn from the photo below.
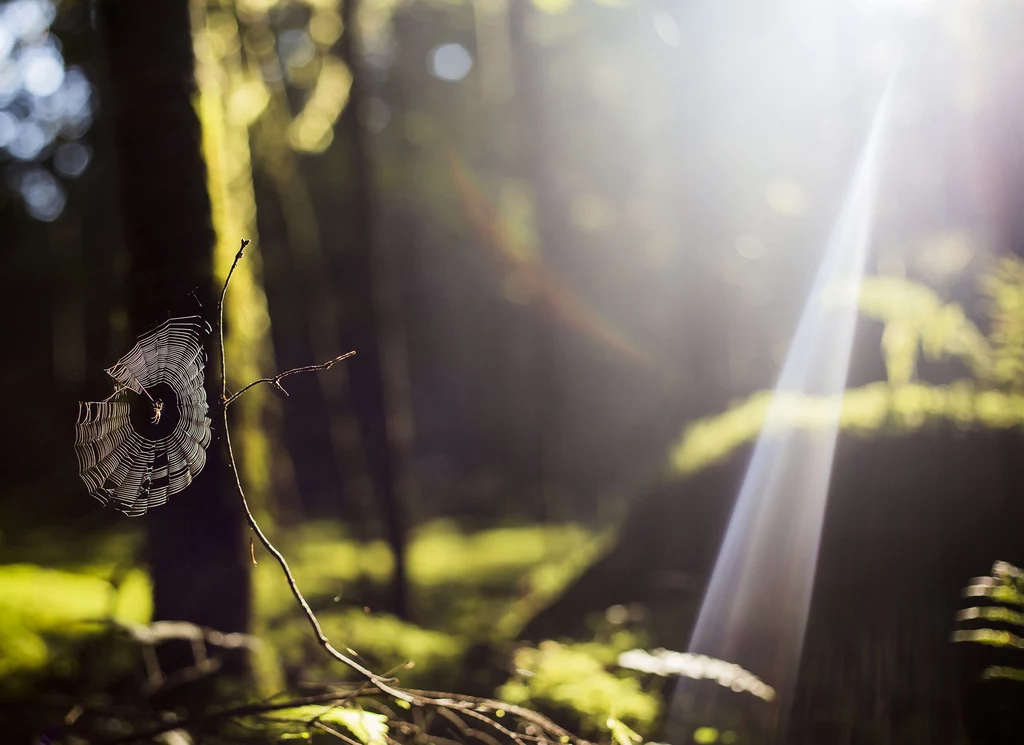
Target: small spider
(158, 410)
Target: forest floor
(470, 595)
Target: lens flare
(755, 609)
(556, 298)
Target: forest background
(569, 242)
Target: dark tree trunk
(372, 326)
(307, 417)
(195, 542)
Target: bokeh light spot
(705, 735)
(27, 18)
(40, 99)
(667, 29)
(76, 95)
(450, 62)
(29, 140)
(296, 47)
(71, 159)
(616, 615)
(786, 197)
(749, 246)
(42, 70)
(44, 199)
(325, 27)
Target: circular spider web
(134, 451)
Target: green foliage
(370, 728)
(1001, 672)
(483, 585)
(466, 589)
(1007, 594)
(621, 734)
(383, 640)
(440, 554)
(1004, 286)
(37, 604)
(325, 562)
(990, 637)
(998, 614)
(575, 677)
(872, 409)
(1004, 586)
(916, 320)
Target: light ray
(755, 609)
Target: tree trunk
(375, 379)
(195, 542)
(528, 74)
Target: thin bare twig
(267, 544)
(463, 702)
(492, 723)
(276, 380)
(220, 320)
(465, 729)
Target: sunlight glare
(755, 609)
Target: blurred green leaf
(621, 734)
(370, 728)
(572, 677)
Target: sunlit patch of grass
(481, 584)
(325, 561)
(547, 579)
(380, 640)
(440, 554)
(486, 585)
(37, 602)
(465, 588)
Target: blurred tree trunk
(290, 296)
(303, 300)
(195, 542)
(528, 74)
(376, 372)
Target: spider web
(124, 467)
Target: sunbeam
(756, 605)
